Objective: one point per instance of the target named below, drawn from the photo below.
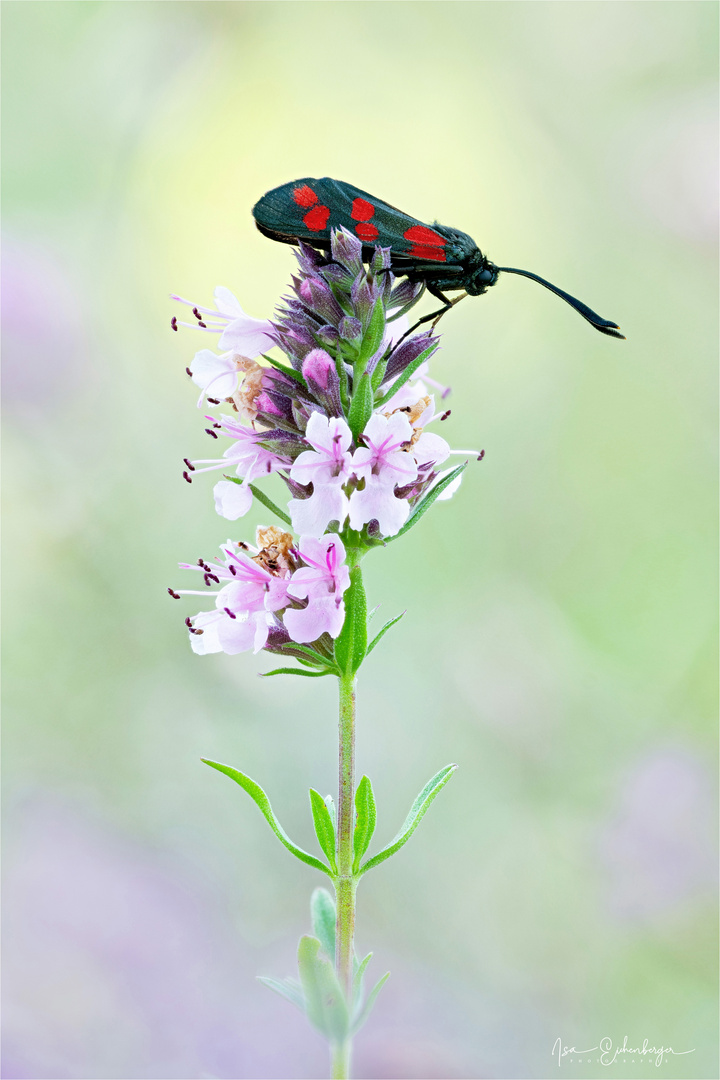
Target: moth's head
(485, 276)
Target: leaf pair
(318, 993)
(323, 811)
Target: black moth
(441, 258)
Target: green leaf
(324, 1000)
(372, 996)
(263, 498)
(296, 671)
(365, 819)
(290, 989)
(384, 630)
(323, 827)
(373, 336)
(361, 406)
(303, 652)
(290, 372)
(417, 811)
(407, 373)
(358, 983)
(322, 912)
(351, 644)
(262, 802)
(424, 505)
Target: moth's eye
(485, 276)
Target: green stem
(340, 1064)
(345, 884)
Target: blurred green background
(560, 639)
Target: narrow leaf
(365, 818)
(361, 406)
(324, 1001)
(290, 989)
(407, 373)
(262, 802)
(323, 827)
(370, 1002)
(322, 913)
(373, 336)
(290, 372)
(351, 644)
(417, 811)
(384, 630)
(263, 498)
(424, 505)
(358, 983)
(296, 671)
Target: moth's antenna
(603, 325)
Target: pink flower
(250, 462)
(244, 605)
(383, 463)
(239, 333)
(322, 581)
(327, 467)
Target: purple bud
(316, 368)
(346, 249)
(320, 374)
(406, 352)
(380, 260)
(350, 329)
(327, 335)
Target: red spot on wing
(421, 234)
(316, 219)
(362, 210)
(424, 251)
(365, 231)
(305, 196)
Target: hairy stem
(345, 883)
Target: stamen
(175, 596)
(230, 613)
(209, 431)
(189, 464)
(187, 368)
(481, 455)
(187, 622)
(446, 414)
(232, 569)
(173, 323)
(213, 401)
(186, 477)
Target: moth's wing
(309, 208)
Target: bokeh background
(560, 639)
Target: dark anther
(175, 595)
(481, 455)
(196, 313)
(210, 577)
(201, 323)
(446, 414)
(216, 425)
(187, 622)
(230, 613)
(189, 372)
(213, 401)
(194, 631)
(173, 322)
(188, 478)
(232, 569)
(243, 545)
(189, 464)
(210, 431)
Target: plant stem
(340, 1066)
(345, 884)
